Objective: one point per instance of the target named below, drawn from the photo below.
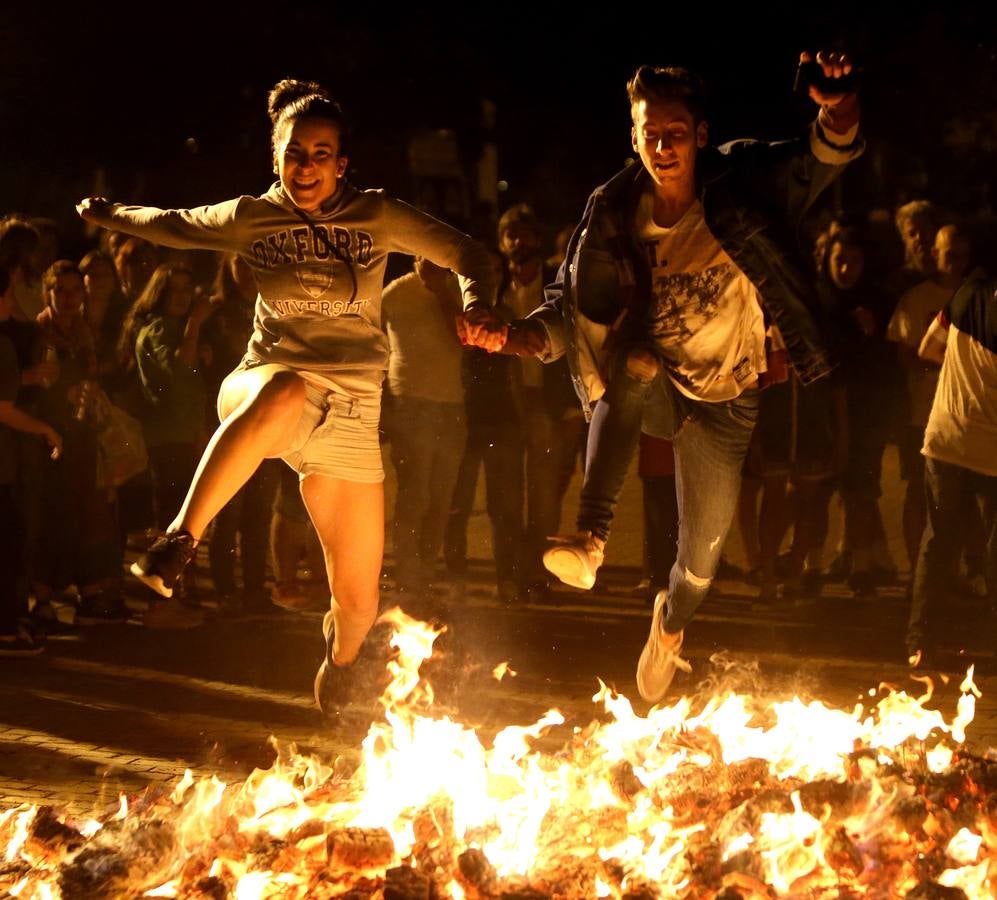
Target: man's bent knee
(696, 581)
(642, 364)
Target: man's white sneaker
(575, 559)
(660, 657)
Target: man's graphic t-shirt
(705, 317)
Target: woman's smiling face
(309, 163)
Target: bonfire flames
(722, 801)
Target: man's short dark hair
(520, 214)
(656, 84)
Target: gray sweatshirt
(319, 304)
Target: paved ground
(116, 708)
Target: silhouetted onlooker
(424, 415)
(959, 443)
(915, 312)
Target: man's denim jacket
(754, 197)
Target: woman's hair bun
(288, 91)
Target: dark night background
(168, 100)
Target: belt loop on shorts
(341, 404)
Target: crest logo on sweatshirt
(314, 280)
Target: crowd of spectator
(109, 367)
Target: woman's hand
(482, 327)
(94, 209)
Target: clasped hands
(482, 327)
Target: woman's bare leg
(260, 408)
(349, 519)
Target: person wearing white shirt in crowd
(915, 312)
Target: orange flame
(615, 799)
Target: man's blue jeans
(710, 442)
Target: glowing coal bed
(728, 797)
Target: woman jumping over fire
(308, 389)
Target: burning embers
(732, 800)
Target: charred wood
(842, 798)
(517, 891)
(476, 875)
(404, 883)
(842, 854)
(120, 862)
(211, 888)
(626, 785)
(929, 890)
(568, 878)
(360, 848)
(47, 833)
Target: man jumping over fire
(659, 308)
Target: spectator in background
(918, 308)
(163, 328)
(494, 443)
(44, 251)
(18, 239)
(561, 240)
(767, 468)
(134, 260)
(656, 469)
(15, 640)
(859, 311)
(553, 425)
(424, 416)
(960, 459)
(79, 536)
(293, 539)
(104, 310)
(244, 522)
(799, 442)
(917, 223)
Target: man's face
(519, 243)
(666, 137)
(918, 237)
(951, 253)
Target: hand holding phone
(825, 76)
(829, 79)
(811, 74)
